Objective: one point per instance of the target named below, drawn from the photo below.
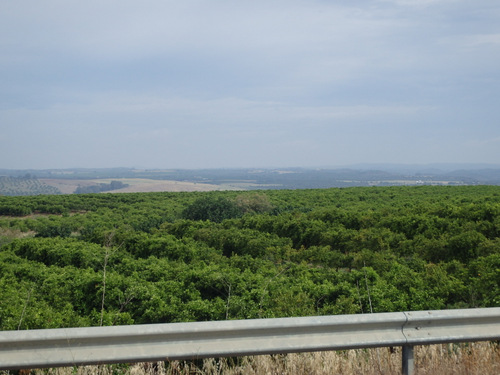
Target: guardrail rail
(179, 341)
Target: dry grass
(11, 233)
(456, 359)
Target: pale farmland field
(136, 185)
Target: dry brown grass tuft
(459, 359)
(456, 359)
(11, 233)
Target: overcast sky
(260, 83)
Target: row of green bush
(80, 260)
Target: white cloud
(483, 39)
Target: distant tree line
(25, 185)
(99, 188)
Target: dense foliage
(104, 259)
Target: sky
(246, 84)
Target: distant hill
(32, 182)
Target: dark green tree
(213, 208)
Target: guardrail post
(408, 360)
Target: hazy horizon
(199, 84)
(389, 167)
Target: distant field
(137, 185)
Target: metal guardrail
(159, 342)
